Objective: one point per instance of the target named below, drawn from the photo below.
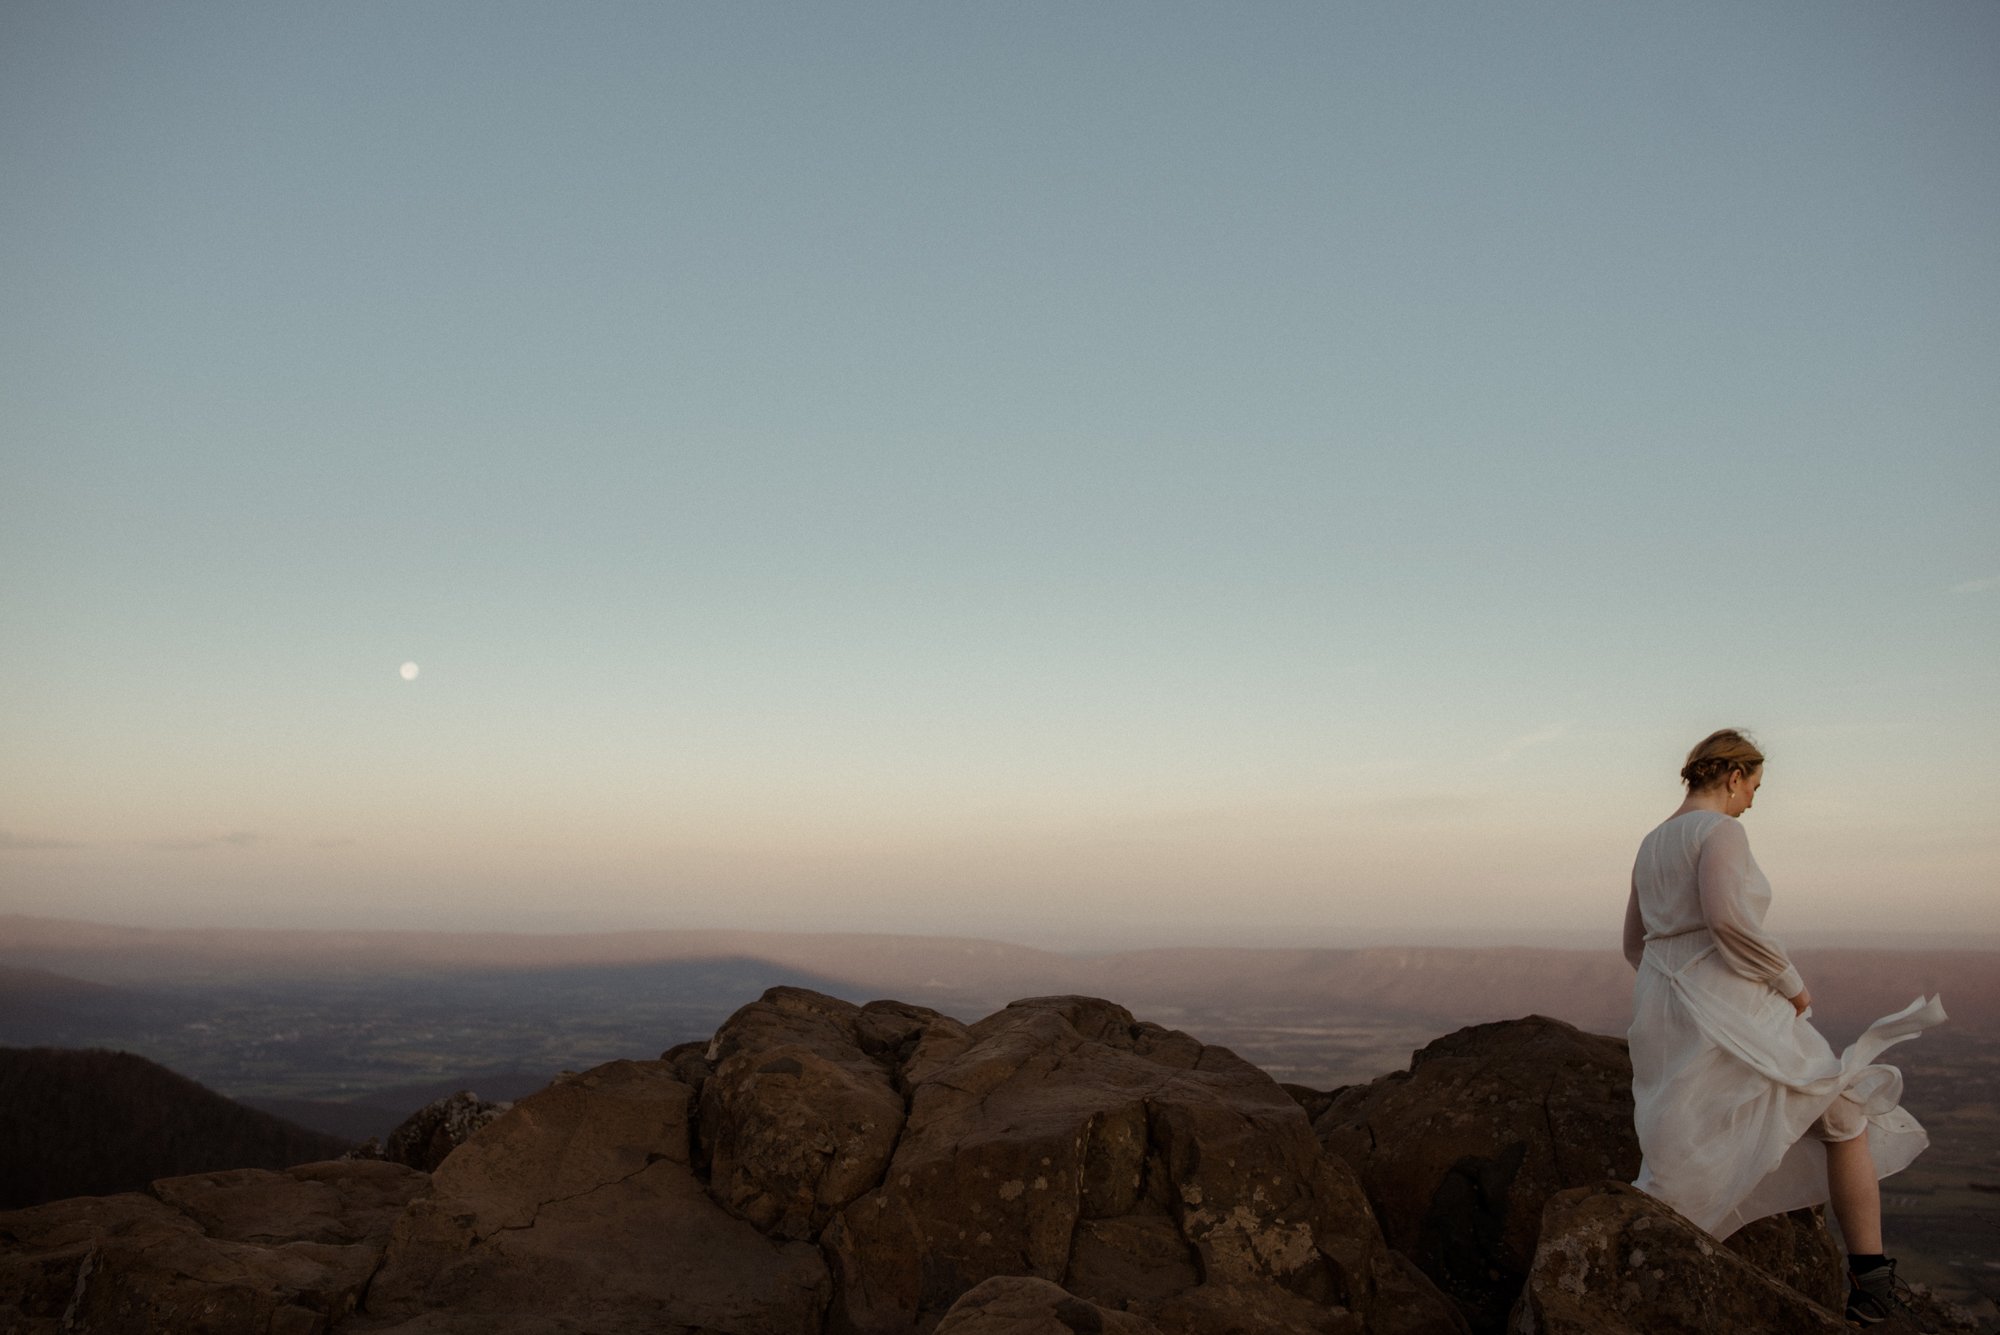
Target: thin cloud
(9, 841)
(233, 839)
(338, 841)
(1977, 585)
(1529, 741)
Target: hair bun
(1718, 755)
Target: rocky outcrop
(245, 1250)
(1460, 1153)
(823, 1168)
(870, 1166)
(427, 1136)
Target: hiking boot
(1876, 1299)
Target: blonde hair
(1719, 755)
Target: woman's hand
(1801, 1001)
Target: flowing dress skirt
(1736, 1094)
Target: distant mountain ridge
(1447, 985)
(39, 986)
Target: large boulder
(580, 1210)
(1460, 1153)
(798, 1117)
(251, 1249)
(1614, 1261)
(1139, 1169)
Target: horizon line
(1915, 940)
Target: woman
(1742, 1108)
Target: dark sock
(1859, 1263)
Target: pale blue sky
(1098, 474)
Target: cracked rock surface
(1062, 1140)
(210, 1254)
(580, 1210)
(1614, 1261)
(801, 1112)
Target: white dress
(1735, 1093)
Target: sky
(1090, 476)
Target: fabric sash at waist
(1673, 954)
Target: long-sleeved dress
(1735, 1092)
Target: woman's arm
(1635, 926)
(1721, 873)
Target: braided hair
(1719, 755)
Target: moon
(409, 671)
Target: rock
(1314, 1101)
(797, 1120)
(822, 1168)
(1130, 1257)
(1060, 1139)
(1798, 1251)
(1614, 1261)
(287, 1252)
(690, 1064)
(340, 1202)
(1404, 1298)
(579, 1210)
(426, 1136)
(1459, 1153)
(1017, 1305)
(1945, 1318)
(1170, 1186)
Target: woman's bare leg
(1857, 1196)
